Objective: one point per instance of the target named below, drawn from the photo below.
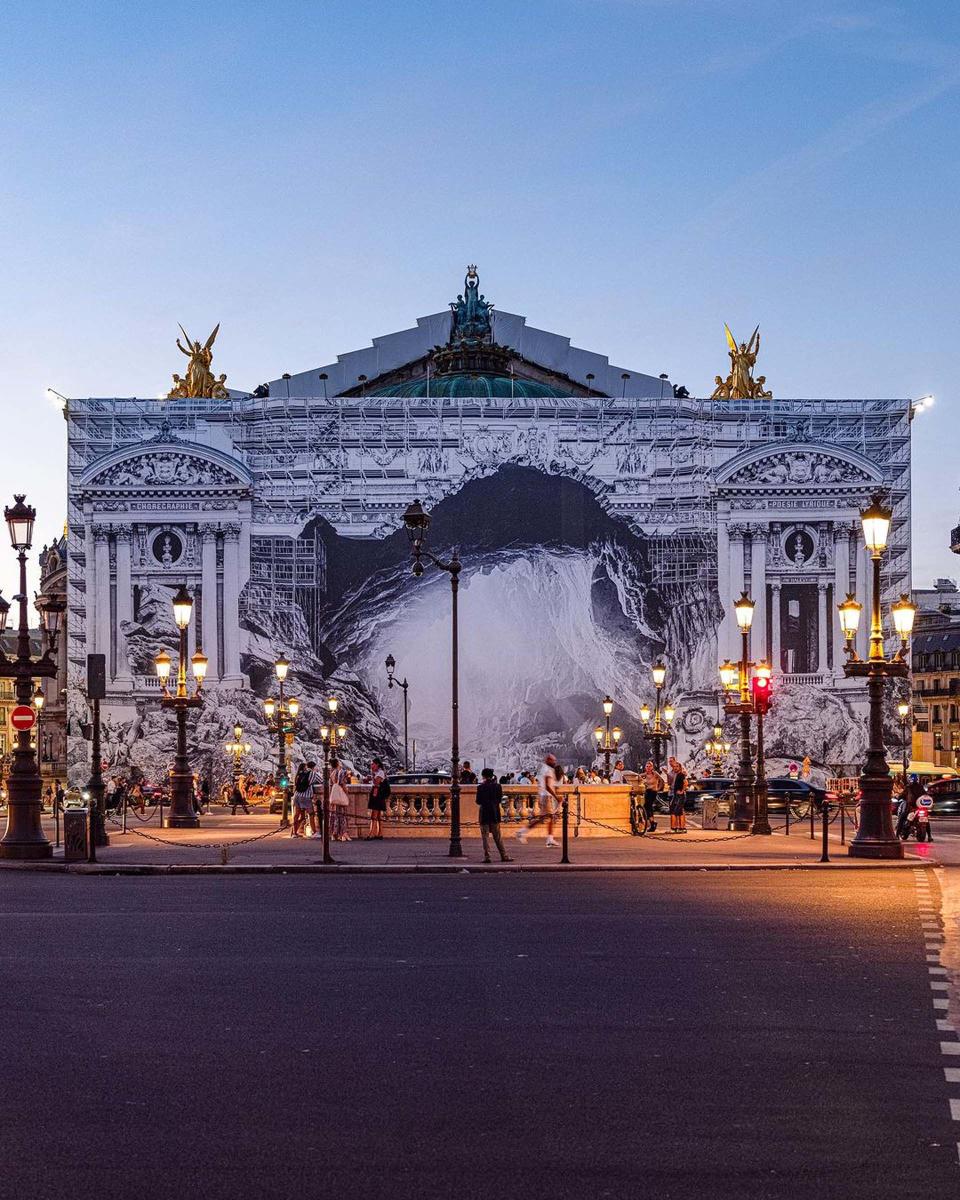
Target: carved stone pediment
(803, 467)
(167, 468)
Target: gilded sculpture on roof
(199, 379)
(740, 383)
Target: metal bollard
(843, 826)
(825, 853)
(56, 820)
(161, 810)
(564, 830)
(812, 818)
(787, 809)
(124, 810)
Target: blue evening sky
(631, 173)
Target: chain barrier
(152, 837)
(720, 837)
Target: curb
(448, 869)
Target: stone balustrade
(423, 810)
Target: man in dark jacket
(489, 798)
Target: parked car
(418, 778)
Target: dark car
(945, 794)
(697, 789)
(418, 778)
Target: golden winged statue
(199, 379)
(740, 383)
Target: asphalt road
(672, 1036)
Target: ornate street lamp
(717, 749)
(281, 716)
(391, 665)
(237, 749)
(417, 522)
(24, 837)
(738, 702)
(903, 711)
(607, 739)
(331, 735)
(875, 836)
(658, 731)
(181, 814)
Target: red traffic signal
(762, 693)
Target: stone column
(90, 589)
(841, 586)
(823, 628)
(231, 606)
(775, 626)
(758, 592)
(863, 594)
(209, 601)
(737, 573)
(124, 677)
(723, 589)
(101, 554)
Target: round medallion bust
(167, 547)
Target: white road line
(951, 1074)
(939, 985)
(950, 1047)
(946, 1027)
(937, 970)
(933, 958)
(955, 1109)
(941, 1002)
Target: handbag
(338, 796)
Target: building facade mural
(604, 518)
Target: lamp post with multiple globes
(607, 739)
(738, 702)
(417, 522)
(24, 837)
(331, 735)
(281, 717)
(38, 702)
(659, 730)
(717, 749)
(237, 749)
(875, 836)
(181, 814)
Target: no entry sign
(23, 717)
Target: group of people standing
(308, 805)
(670, 785)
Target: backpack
(302, 781)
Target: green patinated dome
(471, 385)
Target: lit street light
(660, 730)
(903, 711)
(607, 739)
(281, 716)
(875, 836)
(738, 702)
(181, 814)
(24, 837)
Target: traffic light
(761, 693)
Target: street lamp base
(181, 822)
(876, 848)
(26, 850)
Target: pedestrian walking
(907, 808)
(339, 801)
(548, 798)
(137, 799)
(489, 801)
(377, 804)
(205, 795)
(678, 796)
(238, 798)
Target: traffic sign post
(23, 718)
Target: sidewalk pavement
(254, 843)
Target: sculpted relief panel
(166, 468)
(800, 468)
